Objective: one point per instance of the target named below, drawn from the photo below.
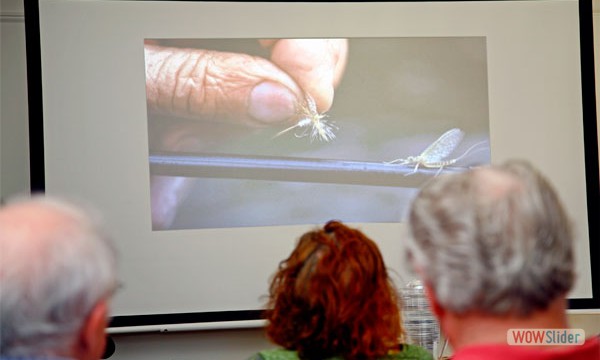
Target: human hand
(234, 87)
(240, 88)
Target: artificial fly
(312, 123)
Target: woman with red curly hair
(332, 299)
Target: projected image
(267, 132)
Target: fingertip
(271, 103)
(322, 95)
(316, 65)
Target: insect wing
(443, 146)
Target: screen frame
(37, 164)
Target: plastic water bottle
(419, 322)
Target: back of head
(56, 266)
(332, 296)
(495, 240)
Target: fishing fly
(312, 123)
(434, 156)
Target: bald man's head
(33, 227)
(56, 264)
(495, 240)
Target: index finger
(317, 65)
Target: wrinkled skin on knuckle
(207, 85)
(225, 92)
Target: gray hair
(45, 299)
(493, 239)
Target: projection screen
(204, 200)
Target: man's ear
(92, 337)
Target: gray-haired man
(57, 274)
(494, 248)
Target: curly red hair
(332, 296)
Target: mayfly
(434, 156)
(312, 123)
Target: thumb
(219, 86)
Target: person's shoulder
(283, 354)
(275, 354)
(589, 350)
(591, 347)
(410, 352)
